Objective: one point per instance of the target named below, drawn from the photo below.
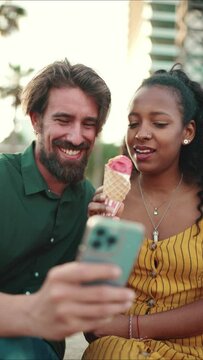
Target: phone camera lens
(96, 244)
(100, 232)
(111, 240)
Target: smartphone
(108, 240)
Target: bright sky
(91, 32)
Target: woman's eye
(133, 125)
(160, 124)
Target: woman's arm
(185, 321)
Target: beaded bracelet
(138, 329)
(145, 338)
(130, 326)
(138, 338)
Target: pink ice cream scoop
(117, 180)
(122, 164)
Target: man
(44, 199)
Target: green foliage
(15, 88)
(9, 17)
(101, 154)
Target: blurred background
(124, 41)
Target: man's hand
(65, 305)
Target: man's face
(66, 134)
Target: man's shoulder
(10, 161)
(10, 170)
(15, 160)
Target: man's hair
(62, 74)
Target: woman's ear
(189, 132)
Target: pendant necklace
(155, 212)
(156, 208)
(155, 232)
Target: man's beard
(68, 172)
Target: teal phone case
(107, 240)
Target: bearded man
(44, 198)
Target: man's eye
(90, 124)
(62, 121)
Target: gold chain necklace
(155, 232)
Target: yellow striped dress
(166, 276)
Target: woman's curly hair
(189, 97)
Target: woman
(165, 142)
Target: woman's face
(155, 131)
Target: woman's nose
(143, 134)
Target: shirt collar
(33, 180)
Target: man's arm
(64, 305)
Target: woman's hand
(99, 205)
(118, 326)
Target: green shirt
(38, 229)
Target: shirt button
(153, 274)
(36, 274)
(151, 303)
(52, 240)
(145, 354)
(27, 293)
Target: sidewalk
(75, 346)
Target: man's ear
(35, 120)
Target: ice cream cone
(116, 185)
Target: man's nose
(75, 135)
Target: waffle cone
(115, 186)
